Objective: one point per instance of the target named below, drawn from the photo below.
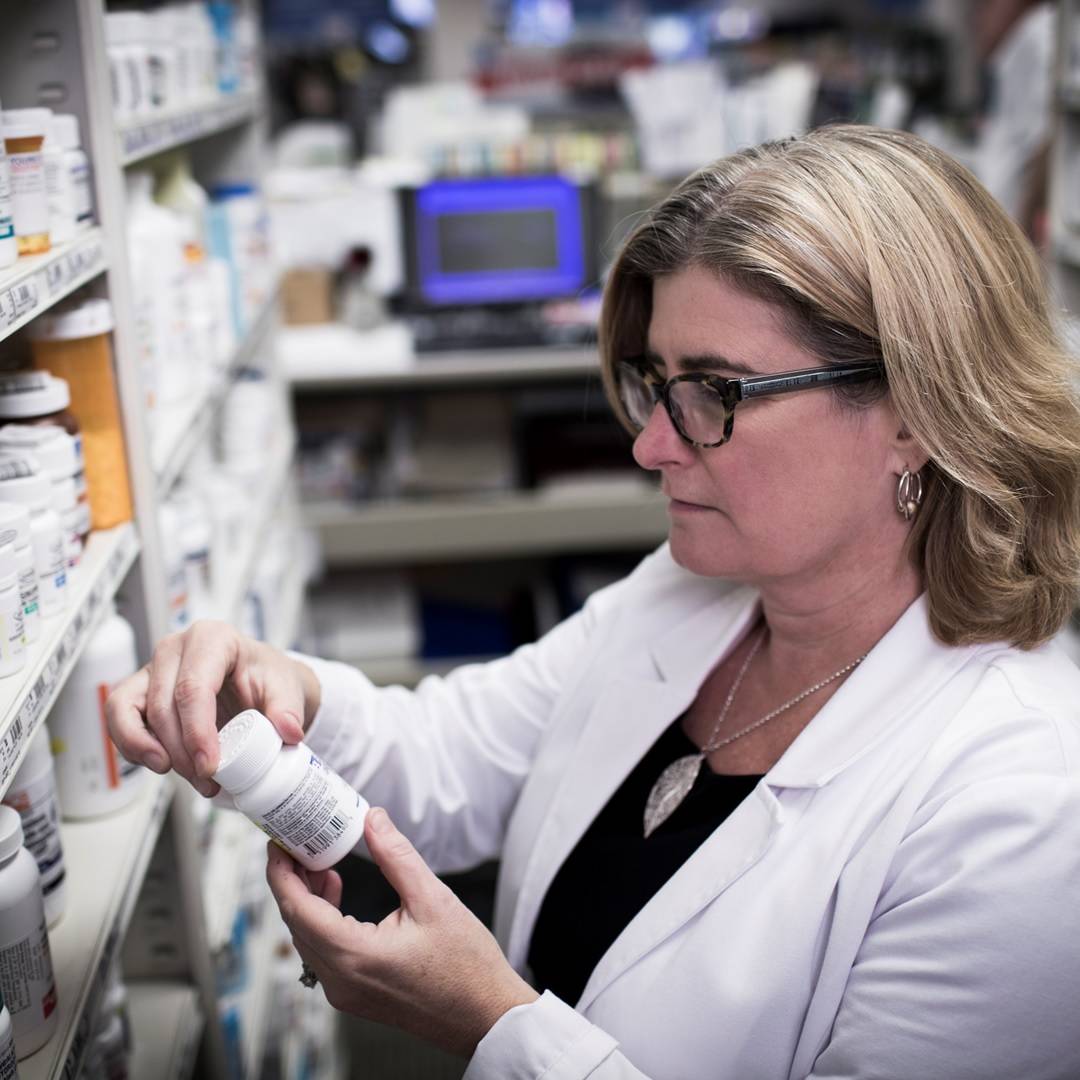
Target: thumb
(401, 864)
(283, 702)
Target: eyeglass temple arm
(787, 381)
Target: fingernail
(380, 820)
(294, 722)
(206, 789)
(202, 764)
(158, 762)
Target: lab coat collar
(904, 668)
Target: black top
(614, 871)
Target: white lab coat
(898, 898)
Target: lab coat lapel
(732, 849)
(626, 719)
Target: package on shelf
(170, 525)
(239, 233)
(67, 178)
(368, 619)
(196, 542)
(252, 419)
(24, 133)
(267, 594)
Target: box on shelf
(307, 297)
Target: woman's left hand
(431, 968)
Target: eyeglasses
(702, 406)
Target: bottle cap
(26, 123)
(9, 568)
(65, 131)
(32, 393)
(249, 744)
(14, 524)
(21, 482)
(11, 832)
(83, 319)
(52, 446)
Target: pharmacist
(800, 796)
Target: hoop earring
(909, 493)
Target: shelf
(515, 523)
(36, 282)
(322, 358)
(106, 860)
(166, 1024)
(408, 670)
(144, 138)
(27, 696)
(274, 480)
(180, 430)
(233, 845)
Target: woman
(799, 797)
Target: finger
(162, 716)
(420, 890)
(125, 712)
(209, 657)
(309, 917)
(282, 695)
(327, 884)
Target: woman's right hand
(167, 714)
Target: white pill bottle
(26, 973)
(33, 794)
(300, 803)
(92, 778)
(9, 1069)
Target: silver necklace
(677, 780)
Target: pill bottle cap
(26, 123)
(86, 318)
(32, 393)
(11, 832)
(65, 131)
(249, 744)
(14, 524)
(9, 568)
(53, 447)
(21, 482)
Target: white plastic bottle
(59, 455)
(170, 524)
(91, 777)
(300, 803)
(15, 530)
(57, 189)
(9, 248)
(9, 1069)
(19, 484)
(12, 634)
(65, 129)
(33, 794)
(26, 972)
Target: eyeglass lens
(697, 410)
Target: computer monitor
(497, 240)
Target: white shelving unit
(35, 284)
(144, 139)
(53, 51)
(167, 1023)
(513, 523)
(106, 861)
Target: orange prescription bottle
(73, 342)
(24, 137)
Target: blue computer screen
(498, 240)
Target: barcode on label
(325, 836)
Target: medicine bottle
(24, 135)
(9, 1069)
(300, 803)
(57, 189)
(72, 343)
(20, 483)
(65, 129)
(58, 455)
(9, 249)
(38, 397)
(92, 778)
(12, 634)
(33, 794)
(26, 972)
(15, 530)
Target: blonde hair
(876, 246)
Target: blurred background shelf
(145, 138)
(166, 1024)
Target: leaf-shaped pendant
(669, 791)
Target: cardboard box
(307, 297)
